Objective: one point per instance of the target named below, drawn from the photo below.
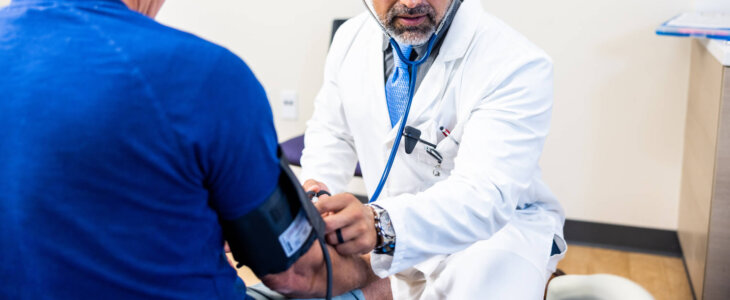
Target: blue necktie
(396, 88)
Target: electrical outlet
(289, 105)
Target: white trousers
(514, 264)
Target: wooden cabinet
(704, 212)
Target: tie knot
(406, 53)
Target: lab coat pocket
(448, 148)
(439, 160)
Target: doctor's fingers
(346, 234)
(335, 203)
(356, 239)
(354, 214)
(311, 185)
(357, 246)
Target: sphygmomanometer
(278, 232)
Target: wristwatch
(384, 230)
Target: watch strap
(386, 242)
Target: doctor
(479, 222)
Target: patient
(123, 144)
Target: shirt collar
(420, 50)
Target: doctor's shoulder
(498, 51)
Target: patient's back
(122, 142)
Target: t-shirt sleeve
(237, 148)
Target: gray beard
(411, 38)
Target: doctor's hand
(350, 224)
(312, 185)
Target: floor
(663, 276)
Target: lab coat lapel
(429, 94)
(426, 97)
(376, 85)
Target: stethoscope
(413, 74)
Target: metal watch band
(384, 230)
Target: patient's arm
(307, 278)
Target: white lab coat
(493, 89)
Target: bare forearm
(350, 272)
(308, 277)
(357, 274)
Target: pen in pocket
(447, 134)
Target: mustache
(399, 9)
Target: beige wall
(615, 150)
(712, 5)
(614, 154)
(284, 42)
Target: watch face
(386, 224)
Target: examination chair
(292, 150)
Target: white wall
(712, 5)
(614, 154)
(284, 42)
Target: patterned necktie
(396, 88)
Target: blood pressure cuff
(278, 232)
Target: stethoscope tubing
(413, 75)
(411, 89)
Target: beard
(411, 35)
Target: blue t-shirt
(122, 143)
